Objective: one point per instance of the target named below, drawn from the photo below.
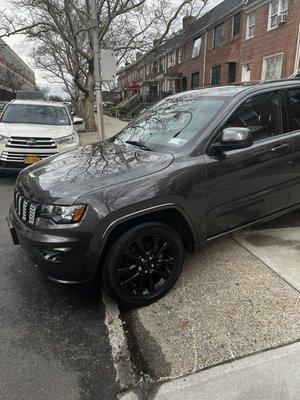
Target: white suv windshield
(35, 114)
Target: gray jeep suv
(196, 166)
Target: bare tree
(61, 32)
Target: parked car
(195, 167)
(31, 130)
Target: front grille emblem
(31, 142)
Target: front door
(248, 184)
(184, 83)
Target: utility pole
(97, 68)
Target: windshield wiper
(141, 145)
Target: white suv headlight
(66, 139)
(3, 139)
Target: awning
(149, 83)
(169, 77)
(131, 86)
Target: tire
(143, 264)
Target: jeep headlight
(63, 214)
(66, 139)
(3, 139)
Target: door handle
(280, 148)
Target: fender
(131, 216)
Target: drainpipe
(297, 58)
(204, 59)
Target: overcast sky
(22, 47)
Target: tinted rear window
(293, 106)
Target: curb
(125, 377)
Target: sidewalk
(230, 303)
(272, 375)
(112, 126)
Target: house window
(195, 80)
(231, 72)
(275, 9)
(250, 25)
(196, 48)
(171, 59)
(165, 59)
(216, 75)
(272, 67)
(179, 55)
(219, 36)
(161, 64)
(186, 52)
(246, 73)
(236, 24)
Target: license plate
(31, 159)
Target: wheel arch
(170, 214)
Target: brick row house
(237, 41)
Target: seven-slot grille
(32, 142)
(25, 209)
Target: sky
(23, 48)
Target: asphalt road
(53, 341)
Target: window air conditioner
(281, 19)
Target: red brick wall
(229, 52)
(282, 39)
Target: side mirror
(77, 121)
(234, 139)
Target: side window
(293, 108)
(261, 114)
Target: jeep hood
(65, 177)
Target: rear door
(248, 184)
(292, 125)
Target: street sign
(108, 65)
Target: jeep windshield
(35, 114)
(171, 124)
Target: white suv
(31, 130)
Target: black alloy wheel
(143, 264)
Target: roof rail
(294, 78)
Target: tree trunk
(78, 107)
(89, 101)
(89, 114)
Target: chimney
(187, 20)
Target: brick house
(15, 74)
(238, 40)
